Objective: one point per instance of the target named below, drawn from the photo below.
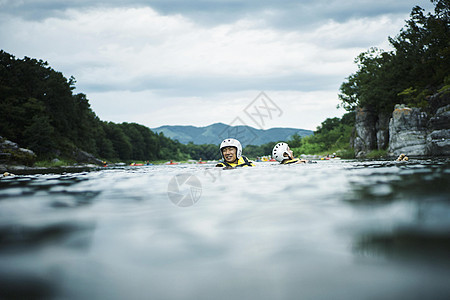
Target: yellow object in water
(242, 162)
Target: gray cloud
(204, 86)
(201, 51)
(284, 13)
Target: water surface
(330, 230)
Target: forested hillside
(40, 111)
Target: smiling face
(229, 154)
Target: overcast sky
(174, 62)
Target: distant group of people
(231, 151)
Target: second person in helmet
(282, 153)
(231, 151)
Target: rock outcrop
(371, 132)
(408, 131)
(84, 157)
(11, 153)
(365, 132)
(438, 139)
(382, 131)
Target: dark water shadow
(24, 274)
(26, 286)
(408, 207)
(406, 245)
(27, 238)
(71, 199)
(408, 183)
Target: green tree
(295, 141)
(39, 136)
(415, 69)
(262, 150)
(332, 135)
(121, 143)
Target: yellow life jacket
(242, 162)
(290, 161)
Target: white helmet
(279, 150)
(231, 143)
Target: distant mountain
(215, 133)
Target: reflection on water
(407, 244)
(331, 230)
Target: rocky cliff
(371, 131)
(438, 139)
(408, 130)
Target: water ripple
(300, 231)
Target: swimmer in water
(282, 153)
(231, 151)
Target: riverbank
(27, 170)
(60, 167)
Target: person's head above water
(281, 152)
(231, 150)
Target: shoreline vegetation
(41, 112)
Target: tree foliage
(417, 66)
(254, 151)
(40, 111)
(332, 135)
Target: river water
(330, 230)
